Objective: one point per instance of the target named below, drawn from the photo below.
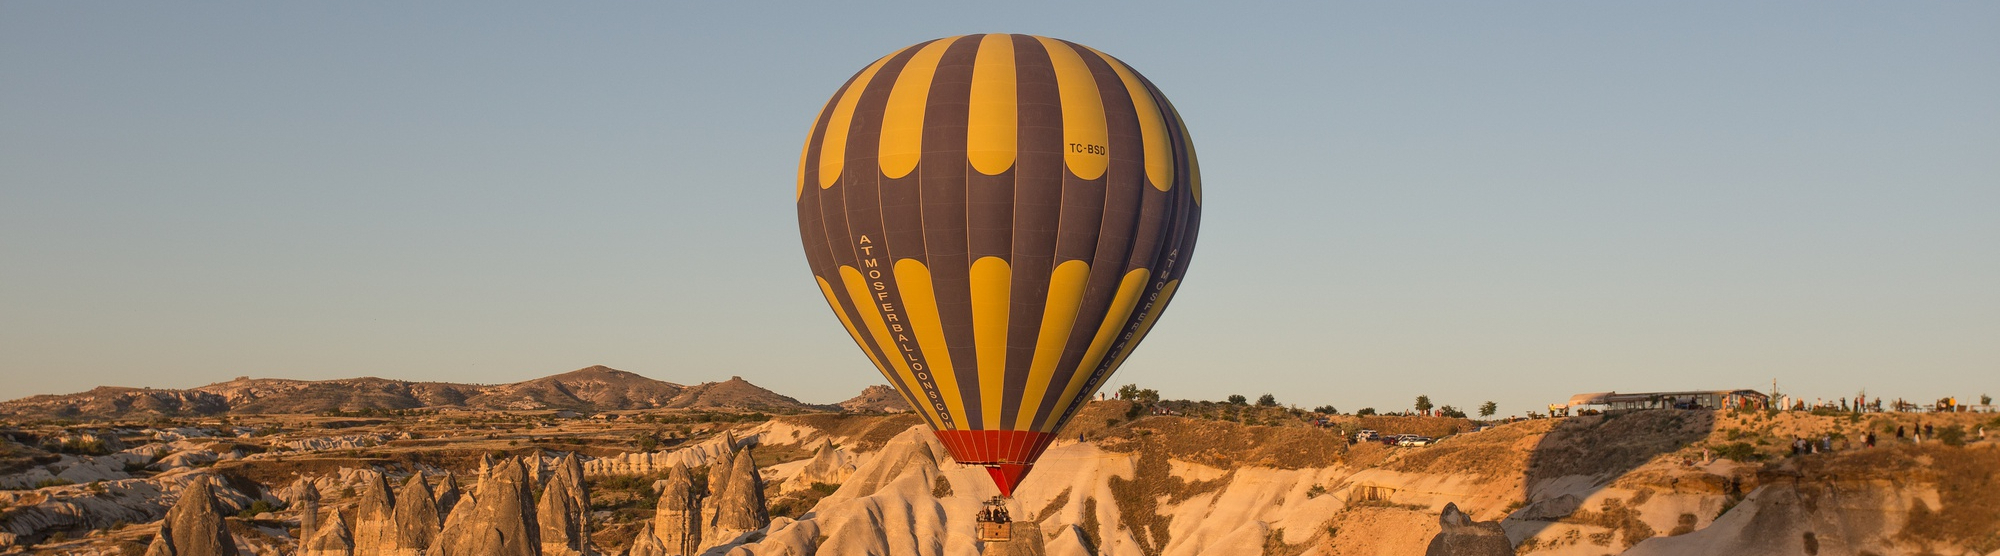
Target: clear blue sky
(1504, 201)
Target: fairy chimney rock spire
(375, 518)
(306, 497)
(417, 519)
(647, 544)
(740, 508)
(331, 539)
(194, 526)
(677, 519)
(498, 520)
(447, 496)
(565, 511)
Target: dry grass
(1220, 444)
(1619, 519)
(1614, 443)
(1434, 427)
(1226, 445)
(864, 433)
(1966, 481)
(1495, 453)
(16, 457)
(766, 455)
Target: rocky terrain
(876, 398)
(595, 388)
(1184, 478)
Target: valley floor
(1207, 481)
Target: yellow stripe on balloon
(1194, 164)
(992, 283)
(1085, 135)
(1159, 303)
(827, 290)
(807, 149)
(913, 280)
(902, 142)
(992, 118)
(833, 148)
(857, 289)
(1107, 332)
(1152, 126)
(1066, 285)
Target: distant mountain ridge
(594, 388)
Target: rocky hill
(876, 398)
(735, 393)
(595, 388)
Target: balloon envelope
(998, 220)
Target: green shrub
(1952, 436)
(256, 507)
(1738, 451)
(646, 442)
(91, 447)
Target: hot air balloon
(998, 220)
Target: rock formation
(706, 452)
(719, 466)
(497, 520)
(447, 496)
(876, 398)
(677, 520)
(330, 539)
(646, 544)
(715, 483)
(740, 507)
(306, 496)
(194, 527)
(565, 511)
(827, 466)
(1461, 536)
(725, 459)
(538, 468)
(417, 521)
(593, 388)
(375, 518)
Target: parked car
(1414, 440)
(1367, 435)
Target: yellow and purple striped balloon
(998, 220)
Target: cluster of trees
(1148, 396)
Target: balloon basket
(994, 524)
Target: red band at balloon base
(1007, 455)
